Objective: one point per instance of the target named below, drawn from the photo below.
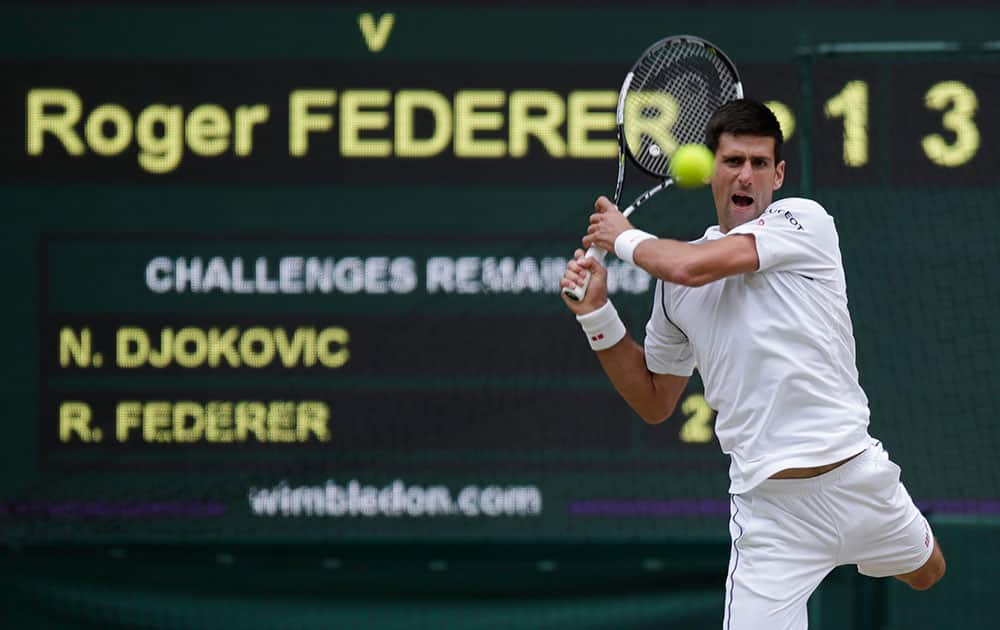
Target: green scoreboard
(292, 273)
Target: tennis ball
(692, 165)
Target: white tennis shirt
(775, 347)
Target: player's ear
(779, 175)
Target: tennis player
(759, 305)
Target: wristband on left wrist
(627, 241)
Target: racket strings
(674, 92)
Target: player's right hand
(597, 291)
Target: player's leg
(886, 533)
(777, 560)
(927, 575)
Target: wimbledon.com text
(398, 499)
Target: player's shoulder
(712, 233)
(798, 205)
(802, 214)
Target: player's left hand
(605, 225)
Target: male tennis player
(759, 305)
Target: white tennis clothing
(788, 534)
(775, 347)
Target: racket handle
(576, 294)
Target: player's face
(745, 178)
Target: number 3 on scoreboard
(959, 104)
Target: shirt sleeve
(667, 348)
(796, 235)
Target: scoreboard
(294, 274)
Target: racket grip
(576, 294)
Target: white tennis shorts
(789, 533)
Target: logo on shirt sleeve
(788, 217)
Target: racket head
(668, 97)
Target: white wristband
(627, 241)
(603, 326)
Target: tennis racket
(665, 102)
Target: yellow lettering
(584, 120)
(959, 104)
(74, 419)
(785, 116)
(187, 422)
(470, 118)
(190, 347)
(59, 124)
(376, 36)
(156, 421)
(73, 348)
(313, 418)
(301, 120)
(207, 130)
(698, 427)
(302, 347)
(246, 117)
(281, 422)
(251, 417)
(223, 345)
(329, 337)
(649, 121)
(161, 358)
(160, 152)
(257, 347)
(219, 422)
(132, 347)
(183, 430)
(851, 104)
(407, 103)
(537, 113)
(119, 119)
(353, 120)
(128, 416)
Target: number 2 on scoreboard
(698, 426)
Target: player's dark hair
(744, 117)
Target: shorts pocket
(877, 478)
(888, 477)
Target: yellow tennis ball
(692, 165)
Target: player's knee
(930, 575)
(924, 582)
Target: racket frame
(577, 294)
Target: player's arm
(697, 264)
(652, 396)
(677, 262)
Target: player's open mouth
(742, 200)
